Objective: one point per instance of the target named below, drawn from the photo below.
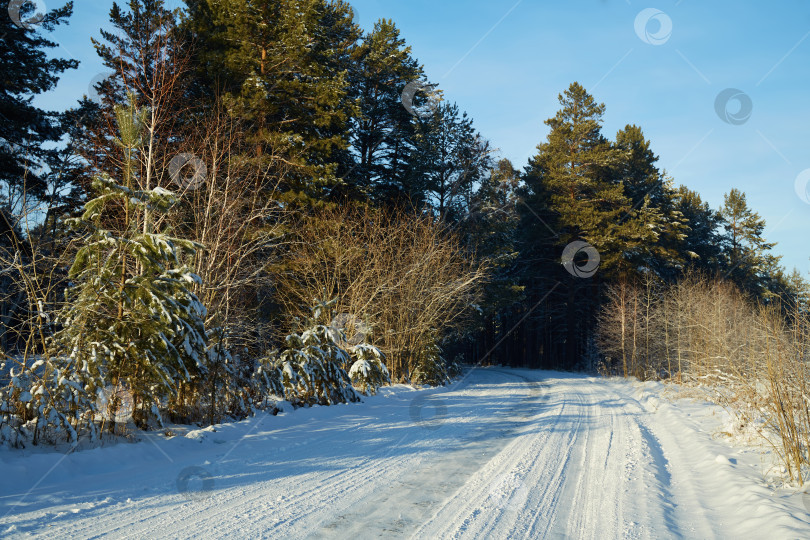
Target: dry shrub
(33, 274)
(654, 331)
(780, 387)
(405, 276)
(228, 203)
(233, 212)
(749, 358)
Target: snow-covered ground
(501, 454)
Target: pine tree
(336, 38)
(573, 167)
(796, 291)
(318, 366)
(131, 320)
(27, 130)
(659, 226)
(313, 367)
(450, 158)
(491, 225)
(368, 371)
(138, 52)
(701, 249)
(572, 195)
(490, 229)
(282, 67)
(144, 56)
(382, 131)
(747, 261)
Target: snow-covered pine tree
(26, 410)
(368, 371)
(311, 369)
(131, 319)
(430, 367)
(314, 366)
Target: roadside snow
(501, 454)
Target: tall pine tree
(450, 159)
(701, 249)
(659, 226)
(572, 195)
(145, 56)
(747, 259)
(382, 131)
(25, 129)
(282, 66)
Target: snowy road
(501, 454)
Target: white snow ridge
(511, 454)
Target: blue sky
(505, 62)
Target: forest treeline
(263, 199)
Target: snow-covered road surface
(501, 454)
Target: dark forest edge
(268, 201)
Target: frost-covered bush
(17, 406)
(311, 369)
(224, 387)
(368, 371)
(44, 401)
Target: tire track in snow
(130, 517)
(463, 515)
(587, 502)
(424, 489)
(678, 501)
(593, 472)
(308, 497)
(589, 460)
(691, 508)
(180, 512)
(659, 466)
(543, 518)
